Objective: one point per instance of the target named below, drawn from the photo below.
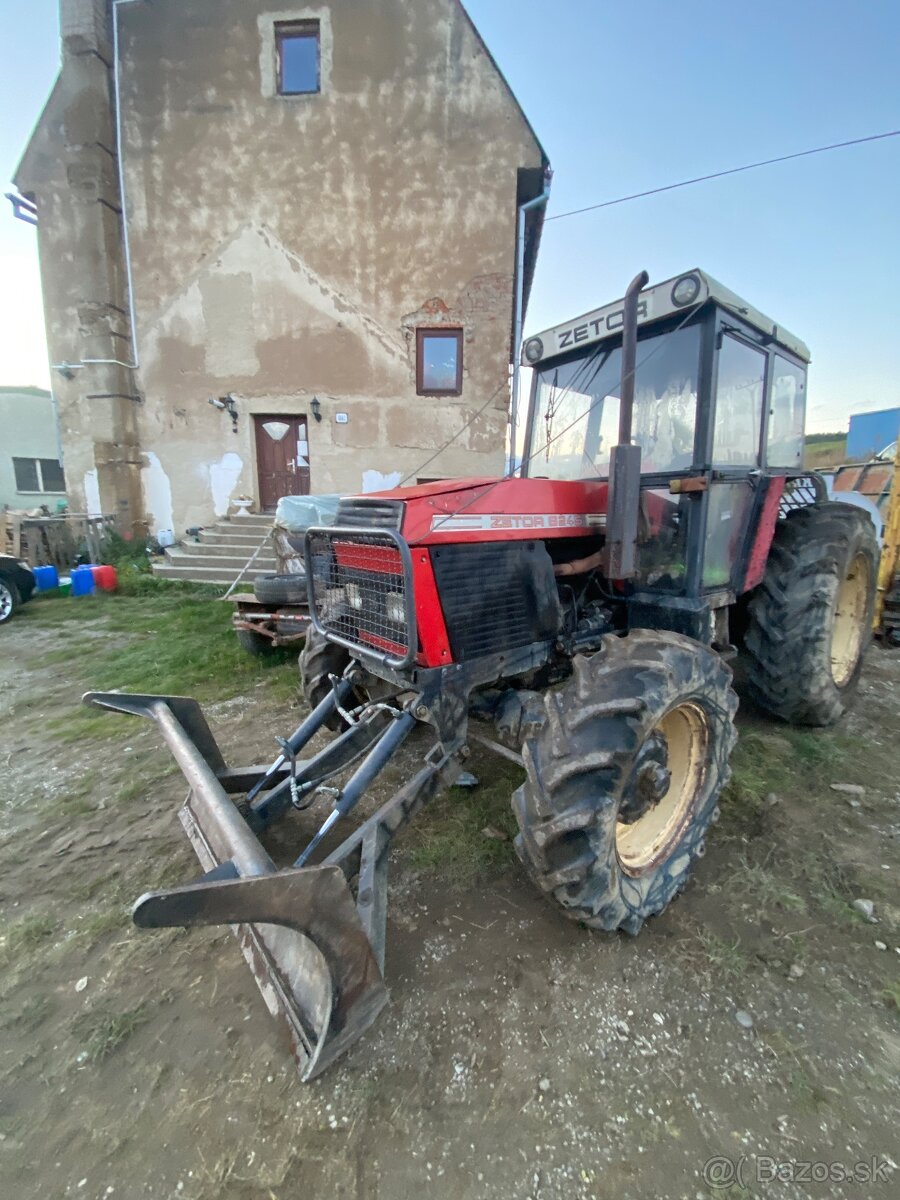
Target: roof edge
(504, 81)
(19, 177)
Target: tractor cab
(718, 411)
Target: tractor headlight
(395, 608)
(534, 350)
(354, 596)
(685, 291)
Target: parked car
(16, 585)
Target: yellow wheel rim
(650, 839)
(849, 625)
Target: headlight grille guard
(377, 563)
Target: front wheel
(319, 659)
(9, 599)
(624, 778)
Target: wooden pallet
(53, 541)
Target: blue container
(871, 432)
(46, 578)
(82, 581)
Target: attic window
(297, 54)
(439, 355)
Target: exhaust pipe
(625, 460)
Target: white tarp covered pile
(293, 516)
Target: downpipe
(519, 317)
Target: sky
(627, 96)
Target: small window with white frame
(39, 475)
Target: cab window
(739, 404)
(787, 411)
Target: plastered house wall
(282, 248)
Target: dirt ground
(521, 1056)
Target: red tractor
(662, 524)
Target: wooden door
(282, 458)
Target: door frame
(257, 419)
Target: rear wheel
(810, 620)
(624, 778)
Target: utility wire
(450, 440)
(765, 162)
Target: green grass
(21, 938)
(743, 800)
(101, 1032)
(777, 762)
(171, 638)
(136, 787)
(764, 892)
(31, 1013)
(821, 748)
(447, 840)
(890, 994)
(75, 801)
(98, 924)
(726, 957)
(825, 449)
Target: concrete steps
(222, 553)
(216, 536)
(216, 575)
(183, 556)
(228, 550)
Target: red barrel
(105, 578)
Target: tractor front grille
(361, 588)
(496, 596)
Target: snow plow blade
(299, 929)
(303, 941)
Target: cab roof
(655, 304)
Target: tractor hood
(483, 510)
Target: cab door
(739, 417)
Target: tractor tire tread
(787, 645)
(578, 762)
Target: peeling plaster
(223, 477)
(92, 494)
(157, 494)
(374, 481)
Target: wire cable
(669, 187)
(765, 162)
(462, 429)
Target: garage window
(439, 354)
(39, 475)
(297, 50)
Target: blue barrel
(46, 578)
(82, 581)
